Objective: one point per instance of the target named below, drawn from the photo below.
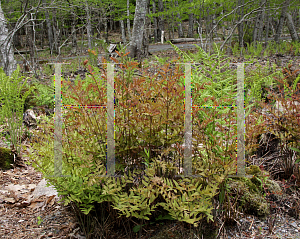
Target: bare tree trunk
(74, 35)
(33, 51)
(30, 42)
(273, 25)
(191, 23)
(261, 21)
(82, 38)
(105, 28)
(7, 55)
(200, 25)
(63, 29)
(254, 35)
(99, 23)
(136, 42)
(155, 21)
(258, 25)
(110, 19)
(160, 19)
(88, 25)
(179, 25)
(267, 25)
(213, 25)
(168, 20)
(43, 36)
(49, 29)
(114, 23)
(122, 26)
(281, 20)
(172, 22)
(299, 17)
(16, 39)
(223, 27)
(241, 25)
(291, 27)
(169, 27)
(29, 38)
(147, 31)
(128, 20)
(55, 33)
(73, 31)
(208, 29)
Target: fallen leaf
(14, 187)
(11, 200)
(51, 200)
(3, 191)
(31, 187)
(35, 205)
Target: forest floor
(153, 49)
(22, 215)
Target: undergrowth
(259, 49)
(149, 130)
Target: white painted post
(58, 124)
(240, 172)
(110, 121)
(188, 123)
(162, 37)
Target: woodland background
(72, 26)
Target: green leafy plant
(296, 47)
(93, 56)
(40, 220)
(258, 49)
(147, 159)
(161, 60)
(47, 69)
(148, 118)
(11, 112)
(236, 49)
(43, 94)
(286, 127)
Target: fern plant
(286, 127)
(213, 84)
(43, 95)
(136, 193)
(12, 101)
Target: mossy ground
(251, 201)
(251, 191)
(6, 158)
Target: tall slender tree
(281, 20)
(257, 31)
(241, 25)
(128, 19)
(179, 25)
(49, 29)
(88, 24)
(155, 21)
(191, 22)
(135, 47)
(267, 24)
(122, 27)
(291, 27)
(56, 32)
(161, 22)
(7, 55)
